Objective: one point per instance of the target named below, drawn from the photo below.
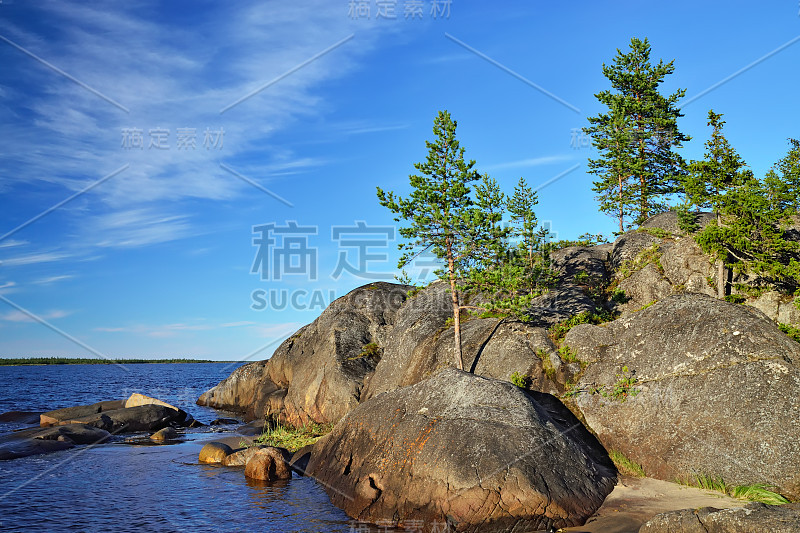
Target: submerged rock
(475, 453)
(46, 440)
(165, 434)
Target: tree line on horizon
(459, 214)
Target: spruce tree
(637, 166)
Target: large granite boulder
(268, 464)
(753, 518)
(465, 452)
(318, 373)
(421, 343)
(711, 388)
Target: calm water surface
(122, 487)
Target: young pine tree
(443, 216)
(749, 233)
(637, 166)
(712, 184)
(536, 272)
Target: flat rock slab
(753, 518)
(46, 440)
(148, 417)
(21, 417)
(52, 418)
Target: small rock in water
(268, 464)
(214, 452)
(224, 421)
(240, 457)
(165, 434)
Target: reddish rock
(268, 464)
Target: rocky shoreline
(679, 383)
(671, 382)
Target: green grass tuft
(625, 466)
(293, 438)
(756, 492)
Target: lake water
(122, 487)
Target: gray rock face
(669, 222)
(476, 453)
(46, 440)
(754, 518)
(491, 348)
(778, 307)
(67, 413)
(421, 343)
(719, 391)
(317, 374)
(150, 417)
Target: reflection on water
(133, 487)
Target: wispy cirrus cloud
(169, 81)
(19, 316)
(180, 328)
(34, 258)
(531, 162)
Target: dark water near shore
(122, 487)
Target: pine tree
(441, 213)
(707, 184)
(636, 138)
(536, 262)
(749, 233)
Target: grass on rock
(293, 438)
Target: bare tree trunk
(456, 307)
(720, 270)
(621, 208)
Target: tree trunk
(456, 307)
(621, 208)
(720, 270)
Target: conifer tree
(637, 166)
(707, 184)
(749, 233)
(441, 213)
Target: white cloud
(53, 279)
(35, 258)
(19, 316)
(10, 243)
(532, 162)
(167, 78)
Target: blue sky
(186, 124)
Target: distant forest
(16, 361)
